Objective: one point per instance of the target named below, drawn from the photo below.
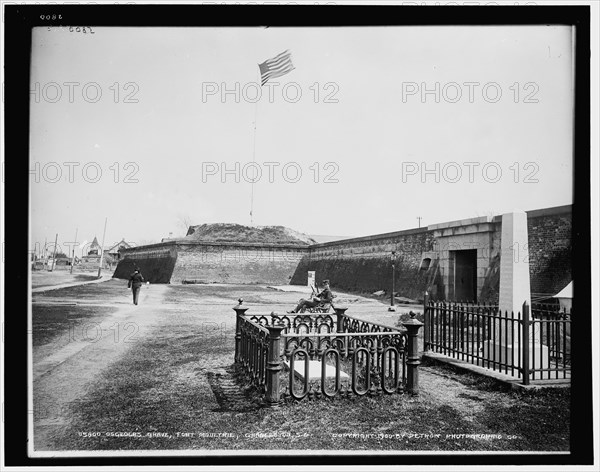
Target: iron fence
(314, 356)
(533, 344)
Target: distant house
(110, 255)
(94, 249)
(62, 261)
(92, 258)
(113, 251)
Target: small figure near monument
(324, 297)
(135, 284)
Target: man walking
(135, 283)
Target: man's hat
(326, 281)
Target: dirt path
(44, 280)
(62, 373)
(177, 376)
(46, 288)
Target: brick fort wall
(156, 262)
(550, 249)
(359, 264)
(237, 263)
(364, 264)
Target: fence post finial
(239, 312)
(526, 344)
(413, 361)
(340, 313)
(426, 318)
(274, 365)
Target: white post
(102, 249)
(74, 243)
(515, 286)
(54, 255)
(515, 289)
(311, 279)
(45, 254)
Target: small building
(94, 249)
(62, 261)
(91, 260)
(114, 250)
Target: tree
(184, 221)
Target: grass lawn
(140, 394)
(60, 321)
(57, 277)
(176, 388)
(100, 292)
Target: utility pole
(74, 244)
(419, 218)
(102, 248)
(392, 304)
(45, 254)
(54, 256)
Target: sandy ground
(45, 278)
(69, 368)
(62, 372)
(64, 369)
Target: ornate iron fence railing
(533, 344)
(298, 356)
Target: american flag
(276, 67)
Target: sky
(156, 128)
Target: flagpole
(270, 69)
(45, 254)
(254, 156)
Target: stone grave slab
(314, 370)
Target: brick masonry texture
(236, 264)
(364, 264)
(155, 270)
(212, 263)
(550, 252)
(357, 265)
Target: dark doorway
(465, 275)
